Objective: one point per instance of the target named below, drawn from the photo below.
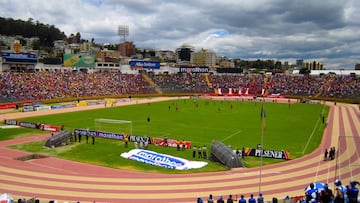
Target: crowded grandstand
(46, 85)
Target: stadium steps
(209, 83)
(207, 80)
(152, 84)
(267, 80)
(323, 87)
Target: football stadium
(176, 137)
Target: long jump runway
(67, 181)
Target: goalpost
(114, 126)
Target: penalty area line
(232, 135)
(311, 135)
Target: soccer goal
(114, 126)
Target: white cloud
(277, 29)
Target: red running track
(64, 180)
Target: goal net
(348, 158)
(113, 126)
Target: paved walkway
(63, 180)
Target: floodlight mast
(123, 31)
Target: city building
(85, 47)
(165, 55)
(60, 46)
(203, 58)
(313, 66)
(73, 48)
(19, 62)
(17, 59)
(225, 62)
(127, 49)
(183, 54)
(357, 66)
(108, 56)
(299, 63)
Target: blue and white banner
(145, 64)
(162, 160)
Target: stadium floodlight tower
(123, 31)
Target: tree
(278, 65)
(46, 33)
(78, 37)
(36, 45)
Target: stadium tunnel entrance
(223, 154)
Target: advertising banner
(137, 138)
(41, 108)
(145, 64)
(116, 136)
(93, 133)
(171, 143)
(39, 126)
(162, 160)
(10, 122)
(49, 127)
(19, 57)
(194, 69)
(7, 106)
(82, 103)
(77, 60)
(229, 70)
(275, 154)
(69, 105)
(85, 132)
(57, 106)
(27, 108)
(28, 125)
(91, 103)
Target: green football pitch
(296, 128)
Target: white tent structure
(6, 198)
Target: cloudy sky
(324, 30)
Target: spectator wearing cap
(260, 199)
(353, 192)
(220, 200)
(311, 193)
(252, 199)
(210, 199)
(326, 195)
(230, 199)
(242, 199)
(340, 192)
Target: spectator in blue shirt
(353, 192)
(252, 199)
(260, 199)
(242, 199)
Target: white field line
(232, 135)
(311, 135)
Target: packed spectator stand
(45, 85)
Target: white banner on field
(162, 160)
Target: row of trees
(46, 33)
